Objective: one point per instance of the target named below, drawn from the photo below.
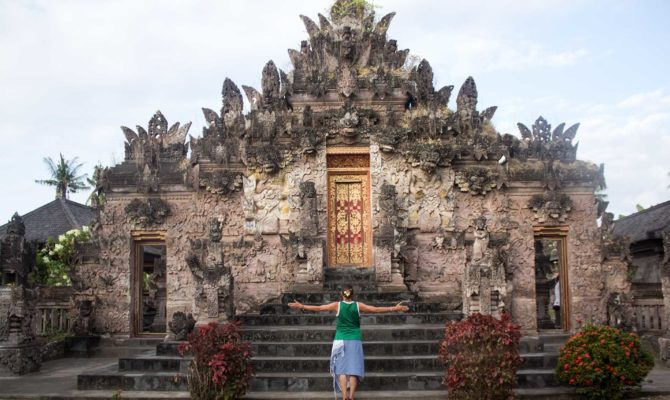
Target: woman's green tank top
(348, 322)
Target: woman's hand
(296, 305)
(400, 307)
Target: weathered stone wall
(451, 199)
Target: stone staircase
(292, 350)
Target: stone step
(360, 395)
(551, 393)
(358, 286)
(298, 349)
(387, 363)
(308, 319)
(154, 363)
(364, 297)
(320, 333)
(310, 381)
(382, 363)
(320, 381)
(539, 360)
(112, 379)
(414, 307)
(305, 357)
(349, 275)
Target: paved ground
(58, 380)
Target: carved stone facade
(350, 160)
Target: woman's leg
(353, 381)
(342, 379)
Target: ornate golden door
(349, 234)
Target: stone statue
(484, 281)
(481, 239)
(181, 325)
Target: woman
(346, 358)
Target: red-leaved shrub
(601, 361)
(481, 356)
(221, 366)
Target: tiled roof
(53, 219)
(645, 224)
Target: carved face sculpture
(480, 223)
(310, 141)
(307, 190)
(265, 158)
(215, 230)
(429, 160)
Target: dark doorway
(551, 283)
(150, 288)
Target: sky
(73, 71)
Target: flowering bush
(221, 365)
(481, 356)
(56, 259)
(600, 361)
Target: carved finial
(325, 24)
(570, 133)
(270, 83)
(525, 132)
(157, 125)
(487, 114)
(16, 225)
(424, 79)
(232, 98)
(383, 24)
(542, 130)
(444, 94)
(254, 98)
(311, 26)
(467, 96)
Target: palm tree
(96, 198)
(64, 176)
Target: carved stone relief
(153, 211)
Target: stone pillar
(213, 279)
(389, 243)
(19, 351)
(484, 275)
(305, 245)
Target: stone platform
(292, 349)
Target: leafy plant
(221, 366)
(358, 8)
(601, 361)
(481, 356)
(55, 261)
(64, 176)
(97, 197)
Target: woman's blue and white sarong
(346, 358)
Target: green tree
(64, 176)
(96, 198)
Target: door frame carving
(352, 164)
(559, 233)
(138, 239)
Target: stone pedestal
(664, 350)
(20, 359)
(81, 346)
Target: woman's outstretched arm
(325, 307)
(372, 309)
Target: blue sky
(73, 71)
